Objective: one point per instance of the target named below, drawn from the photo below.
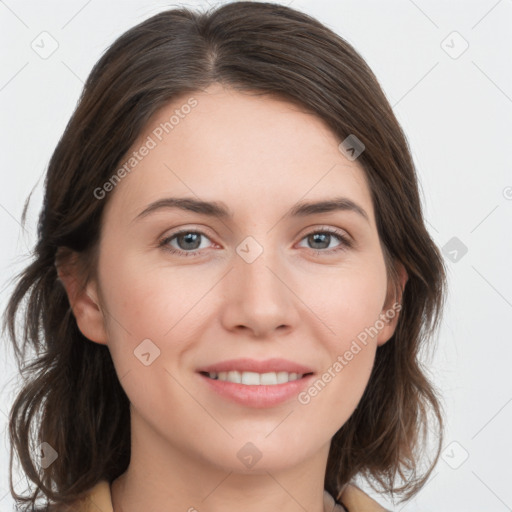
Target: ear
(83, 298)
(392, 307)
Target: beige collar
(99, 499)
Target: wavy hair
(71, 397)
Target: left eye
(326, 236)
(189, 241)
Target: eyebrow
(219, 209)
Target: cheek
(338, 388)
(351, 310)
(147, 299)
(153, 310)
(349, 301)
(146, 316)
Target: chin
(259, 455)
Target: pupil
(188, 240)
(321, 235)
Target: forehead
(252, 151)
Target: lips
(257, 395)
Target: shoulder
(76, 507)
(356, 500)
(56, 507)
(96, 498)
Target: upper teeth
(255, 379)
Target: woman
(253, 369)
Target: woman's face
(255, 283)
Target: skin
(260, 156)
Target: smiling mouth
(256, 379)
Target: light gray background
(456, 111)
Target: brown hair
(72, 393)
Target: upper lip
(253, 365)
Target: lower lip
(258, 396)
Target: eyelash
(345, 244)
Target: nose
(258, 297)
